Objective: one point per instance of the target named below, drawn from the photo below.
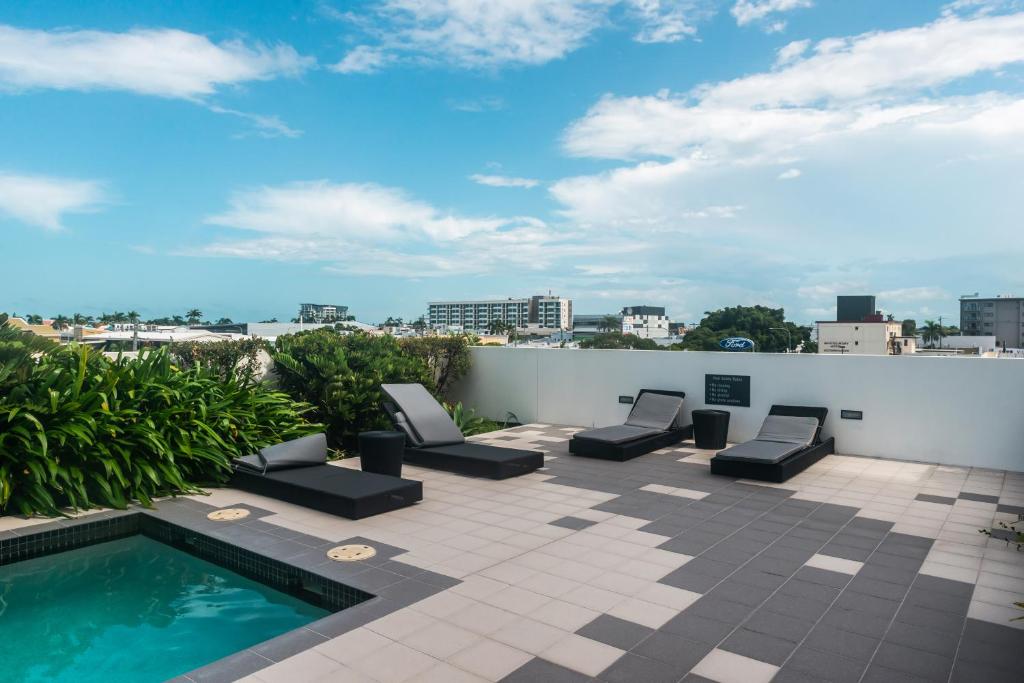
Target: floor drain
(351, 553)
(228, 514)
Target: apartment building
(540, 313)
(1001, 317)
(322, 313)
(648, 322)
(860, 329)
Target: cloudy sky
(243, 157)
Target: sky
(244, 157)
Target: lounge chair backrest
(655, 410)
(788, 429)
(423, 419)
(816, 412)
(305, 452)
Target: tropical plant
(80, 430)
(60, 322)
(909, 327)
(193, 316)
(341, 374)
(467, 420)
(230, 358)
(617, 340)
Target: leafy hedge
(341, 374)
(80, 430)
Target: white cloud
(42, 201)
(160, 62)
(362, 60)
(749, 11)
(906, 294)
(476, 34)
(503, 181)
(666, 21)
(477, 104)
(790, 174)
(790, 52)
(263, 125)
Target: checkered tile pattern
(654, 569)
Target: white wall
(962, 411)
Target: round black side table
(710, 428)
(381, 452)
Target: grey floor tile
(719, 609)
(844, 643)
(576, 523)
(699, 628)
(979, 497)
(760, 646)
(915, 662)
(870, 604)
(880, 674)
(755, 577)
(846, 552)
(792, 606)
(828, 666)
(744, 593)
(902, 577)
(922, 638)
(876, 588)
(539, 670)
(616, 632)
(810, 591)
(671, 648)
(689, 580)
(929, 618)
(231, 668)
(822, 577)
(929, 498)
(860, 623)
(631, 668)
(972, 672)
(779, 625)
(941, 585)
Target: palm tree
(609, 323)
(34, 319)
(77, 318)
(499, 327)
(931, 333)
(60, 322)
(224, 321)
(194, 315)
(133, 316)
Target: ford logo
(736, 344)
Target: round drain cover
(228, 514)
(351, 553)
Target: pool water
(132, 610)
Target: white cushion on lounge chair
(428, 423)
(788, 429)
(657, 411)
(618, 433)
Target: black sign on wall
(727, 390)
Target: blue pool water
(131, 610)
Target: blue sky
(243, 157)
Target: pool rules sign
(727, 390)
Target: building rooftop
(654, 569)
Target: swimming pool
(132, 609)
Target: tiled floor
(655, 570)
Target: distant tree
(498, 327)
(223, 321)
(34, 319)
(193, 316)
(419, 324)
(177, 320)
(752, 322)
(133, 317)
(60, 322)
(909, 327)
(392, 322)
(932, 332)
(617, 340)
(78, 318)
(610, 323)
(273, 320)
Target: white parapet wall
(954, 411)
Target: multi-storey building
(1001, 317)
(536, 312)
(649, 322)
(859, 329)
(322, 313)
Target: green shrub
(341, 374)
(237, 358)
(446, 357)
(80, 430)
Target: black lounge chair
(433, 440)
(655, 421)
(789, 442)
(297, 472)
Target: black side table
(381, 452)
(710, 428)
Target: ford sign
(736, 344)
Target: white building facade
(864, 338)
(647, 322)
(540, 313)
